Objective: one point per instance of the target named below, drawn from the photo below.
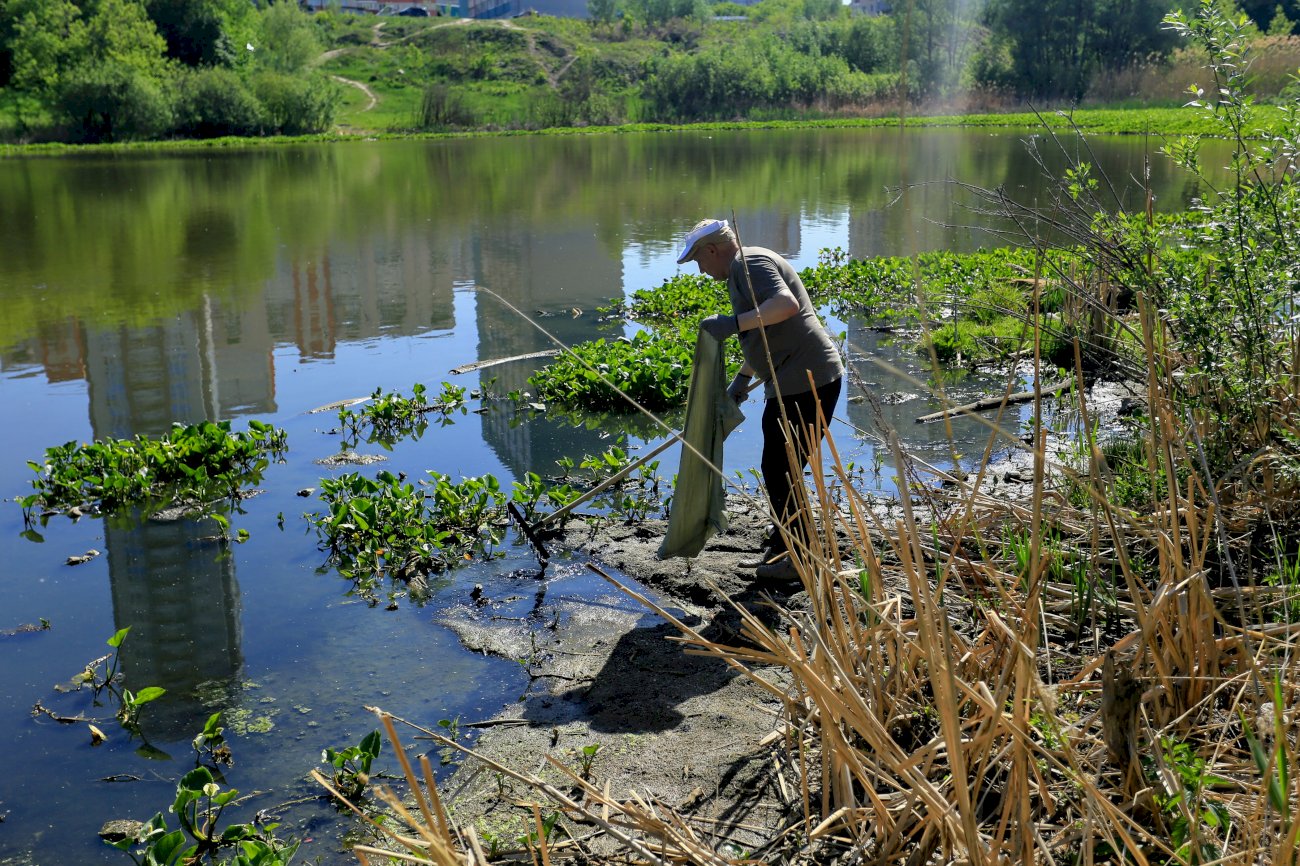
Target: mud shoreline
(613, 696)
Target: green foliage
(725, 80)
(983, 283)
(385, 418)
(602, 11)
(288, 39)
(197, 32)
(210, 743)
(113, 102)
(198, 807)
(970, 341)
(441, 107)
(193, 463)
(296, 104)
(43, 39)
(586, 758)
(681, 300)
(387, 526)
(214, 102)
(1230, 305)
(1199, 822)
(654, 370)
(352, 765)
(128, 712)
(1273, 767)
(1052, 49)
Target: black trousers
(779, 475)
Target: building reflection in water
(177, 591)
(559, 278)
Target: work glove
(738, 390)
(720, 327)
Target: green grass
(394, 111)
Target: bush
(296, 106)
(113, 102)
(440, 108)
(214, 102)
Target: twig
(482, 365)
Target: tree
(119, 31)
(45, 37)
(195, 31)
(112, 101)
(1264, 13)
(1280, 25)
(602, 11)
(288, 44)
(871, 43)
(940, 41)
(1054, 46)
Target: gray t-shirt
(799, 344)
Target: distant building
(430, 8)
(870, 7)
(458, 8)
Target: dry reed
(1120, 691)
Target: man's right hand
(720, 327)
(738, 390)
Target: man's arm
(778, 302)
(777, 308)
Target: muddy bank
(613, 696)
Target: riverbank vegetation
(1099, 670)
(123, 70)
(969, 309)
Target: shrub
(113, 102)
(440, 107)
(296, 106)
(214, 102)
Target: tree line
(106, 70)
(109, 70)
(921, 49)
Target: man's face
(712, 261)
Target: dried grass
(946, 707)
(1273, 63)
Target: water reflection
(219, 285)
(180, 597)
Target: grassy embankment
(411, 76)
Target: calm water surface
(138, 290)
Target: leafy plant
(387, 417)
(654, 370)
(210, 743)
(128, 712)
(194, 463)
(1200, 822)
(586, 758)
(198, 807)
(352, 764)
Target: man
(771, 313)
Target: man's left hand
(720, 327)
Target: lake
(143, 289)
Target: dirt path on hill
(371, 99)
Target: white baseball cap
(701, 234)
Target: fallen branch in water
(994, 402)
(479, 365)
